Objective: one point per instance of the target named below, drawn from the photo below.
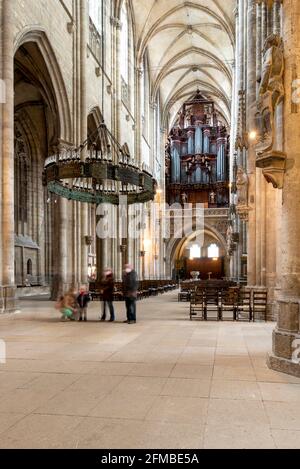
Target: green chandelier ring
(97, 178)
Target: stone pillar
(264, 23)
(151, 139)
(251, 109)
(288, 326)
(60, 248)
(270, 19)
(7, 160)
(138, 133)
(277, 16)
(237, 86)
(259, 45)
(83, 132)
(263, 240)
(118, 81)
(240, 47)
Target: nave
(165, 382)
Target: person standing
(108, 287)
(130, 288)
(83, 300)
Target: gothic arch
(118, 8)
(143, 41)
(220, 65)
(174, 246)
(31, 34)
(184, 92)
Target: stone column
(264, 22)
(2, 100)
(60, 248)
(237, 86)
(83, 131)
(118, 82)
(277, 16)
(259, 43)
(270, 19)
(251, 109)
(240, 47)
(138, 132)
(7, 200)
(288, 326)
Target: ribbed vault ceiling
(190, 45)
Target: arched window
(195, 252)
(124, 43)
(29, 267)
(95, 12)
(213, 251)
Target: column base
(283, 365)
(286, 338)
(8, 299)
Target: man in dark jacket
(130, 288)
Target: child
(83, 299)
(65, 305)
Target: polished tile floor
(164, 382)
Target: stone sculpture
(271, 91)
(242, 186)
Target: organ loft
(197, 155)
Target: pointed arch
(40, 38)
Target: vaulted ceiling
(190, 45)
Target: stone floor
(164, 382)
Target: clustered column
(288, 327)
(7, 156)
(251, 108)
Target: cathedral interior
(160, 134)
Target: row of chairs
(187, 287)
(228, 304)
(146, 289)
(149, 288)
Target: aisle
(164, 382)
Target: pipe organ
(197, 156)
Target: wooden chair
(244, 307)
(212, 304)
(184, 295)
(228, 299)
(197, 309)
(260, 300)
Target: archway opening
(199, 257)
(37, 135)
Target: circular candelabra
(98, 174)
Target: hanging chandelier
(98, 171)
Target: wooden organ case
(197, 156)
